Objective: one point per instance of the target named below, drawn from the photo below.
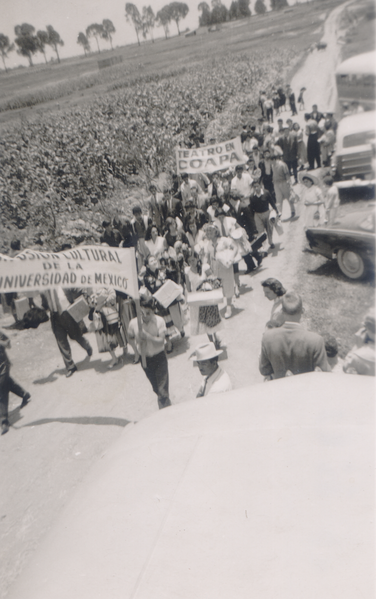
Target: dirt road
(70, 422)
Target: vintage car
(263, 492)
(351, 241)
(354, 154)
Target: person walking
(63, 325)
(289, 145)
(261, 200)
(216, 380)
(7, 384)
(290, 348)
(292, 102)
(282, 183)
(313, 200)
(151, 340)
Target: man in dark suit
(315, 114)
(172, 206)
(291, 349)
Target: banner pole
(139, 322)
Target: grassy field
(76, 80)
(334, 304)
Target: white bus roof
(264, 492)
(362, 64)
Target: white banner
(209, 159)
(85, 266)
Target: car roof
(264, 492)
(356, 65)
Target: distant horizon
(40, 13)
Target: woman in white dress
(313, 200)
(221, 255)
(155, 244)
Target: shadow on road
(97, 420)
(331, 269)
(97, 365)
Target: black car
(351, 241)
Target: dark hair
(117, 236)
(275, 286)
(169, 221)
(136, 209)
(331, 346)
(147, 302)
(215, 199)
(105, 224)
(239, 167)
(193, 254)
(328, 180)
(148, 231)
(15, 244)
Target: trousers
(7, 384)
(156, 370)
(313, 151)
(263, 223)
(62, 327)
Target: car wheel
(351, 264)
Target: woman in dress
(172, 234)
(302, 148)
(313, 200)
(194, 234)
(221, 255)
(155, 244)
(195, 277)
(274, 291)
(105, 315)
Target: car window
(358, 139)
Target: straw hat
(308, 175)
(206, 351)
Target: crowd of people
(193, 235)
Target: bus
(356, 80)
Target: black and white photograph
(187, 299)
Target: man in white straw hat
(216, 380)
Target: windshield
(358, 139)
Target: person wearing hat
(361, 359)
(216, 380)
(313, 200)
(152, 337)
(241, 184)
(291, 347)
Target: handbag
(111, 314)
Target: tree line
(239, 9)
(28, 42)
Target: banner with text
(86, 266)
(208, 159)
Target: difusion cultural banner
(208, 159)
(84, 266)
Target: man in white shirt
(151, 338)
(241, 184)
(216, 380)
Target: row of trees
(239, 9)
(103, 30)
(29, 43)
(145, 21)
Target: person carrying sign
(62, 324)
(151, 339)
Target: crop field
(75, 80)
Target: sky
(69, 17)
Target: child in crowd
(331, 200)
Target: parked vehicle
(263, 492)
(354, 156)
(356, 80)
(351, 241)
